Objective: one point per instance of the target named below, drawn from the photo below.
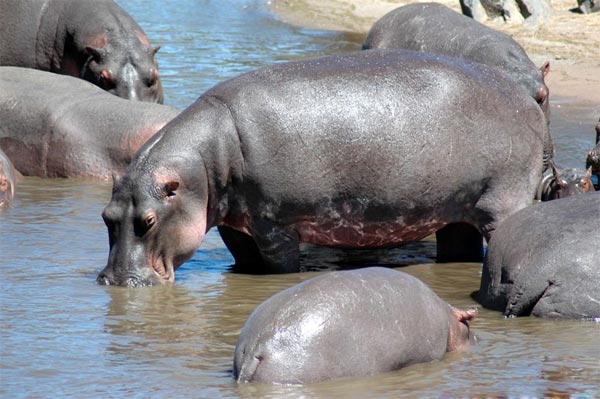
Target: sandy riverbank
(570, 41)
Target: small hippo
(348, 324)
(435, 28)
(60, 126)
(8, 178)
(95, 40)
(329, 151)
(560, 183)
(545, 261)
(588, 6)
(593, 160)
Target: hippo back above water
(369, 149)
(60, 126)
(95, 40)
(435, 28)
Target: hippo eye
(150, 221)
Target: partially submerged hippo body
(348, 324)
(369, 149)
(545, 261)
(59, 126)
(560, 183)
(8, 179)
(435, 28)
(95, 40)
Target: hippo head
(155, 223)
(568, 182)
(126, 68)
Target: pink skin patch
(143, 39)
(97, 41)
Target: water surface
(64, 336)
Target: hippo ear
(588, 172)
(96, 53)
(556, 174)
(155, 50)
(116, 180)
(464, 315)
(545, 69)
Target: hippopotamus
(368, 149)
(560, 183)
(348, 324)
(95, 40)
(435, 28)
(543, 261)
(60, 126)
(8, 177)
(593, 159)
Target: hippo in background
(95, 40)
(8, 180)
(348, 324)
(435, 28)
(60, 126)
(331, 152)
(560, 183)
(593, 160)
(545, 261)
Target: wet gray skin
(348, 324)
(60, 126)
(95, 40)
(435, 28)
(560, 183)
(543, 261)
(593, 158)
(329, 151)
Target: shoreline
(567, 40)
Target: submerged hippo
(8, 177)
(435, 28)
(59, 126)
(545, 261)
(369, 149)
(95, 40)
(348, 324)
(560, 183)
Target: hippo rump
(348, 324)
(95, 40)
(544, 261)
(8, 178)
(368, 149)
(435, 28)
(59, 126)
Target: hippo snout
(107, 277)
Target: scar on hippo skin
(560, 183)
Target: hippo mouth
(163, 270)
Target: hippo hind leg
(459, 242)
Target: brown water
(64, 336)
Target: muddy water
(61, 335)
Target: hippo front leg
(270, 250)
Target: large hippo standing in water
(59, 126)
(370, 149)
(95, 40)
(545, 261)
(8, 178)
(435, 28)
(348, 324)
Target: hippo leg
(273, 250)
(459, 242)
(243, 248)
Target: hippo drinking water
(95, 40)
(435, 28)
(348, 324)
(59, 126)
(369, 149)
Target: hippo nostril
(103, 279)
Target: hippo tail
(245, 367)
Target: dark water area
(63, 336)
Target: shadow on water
(64, 336)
